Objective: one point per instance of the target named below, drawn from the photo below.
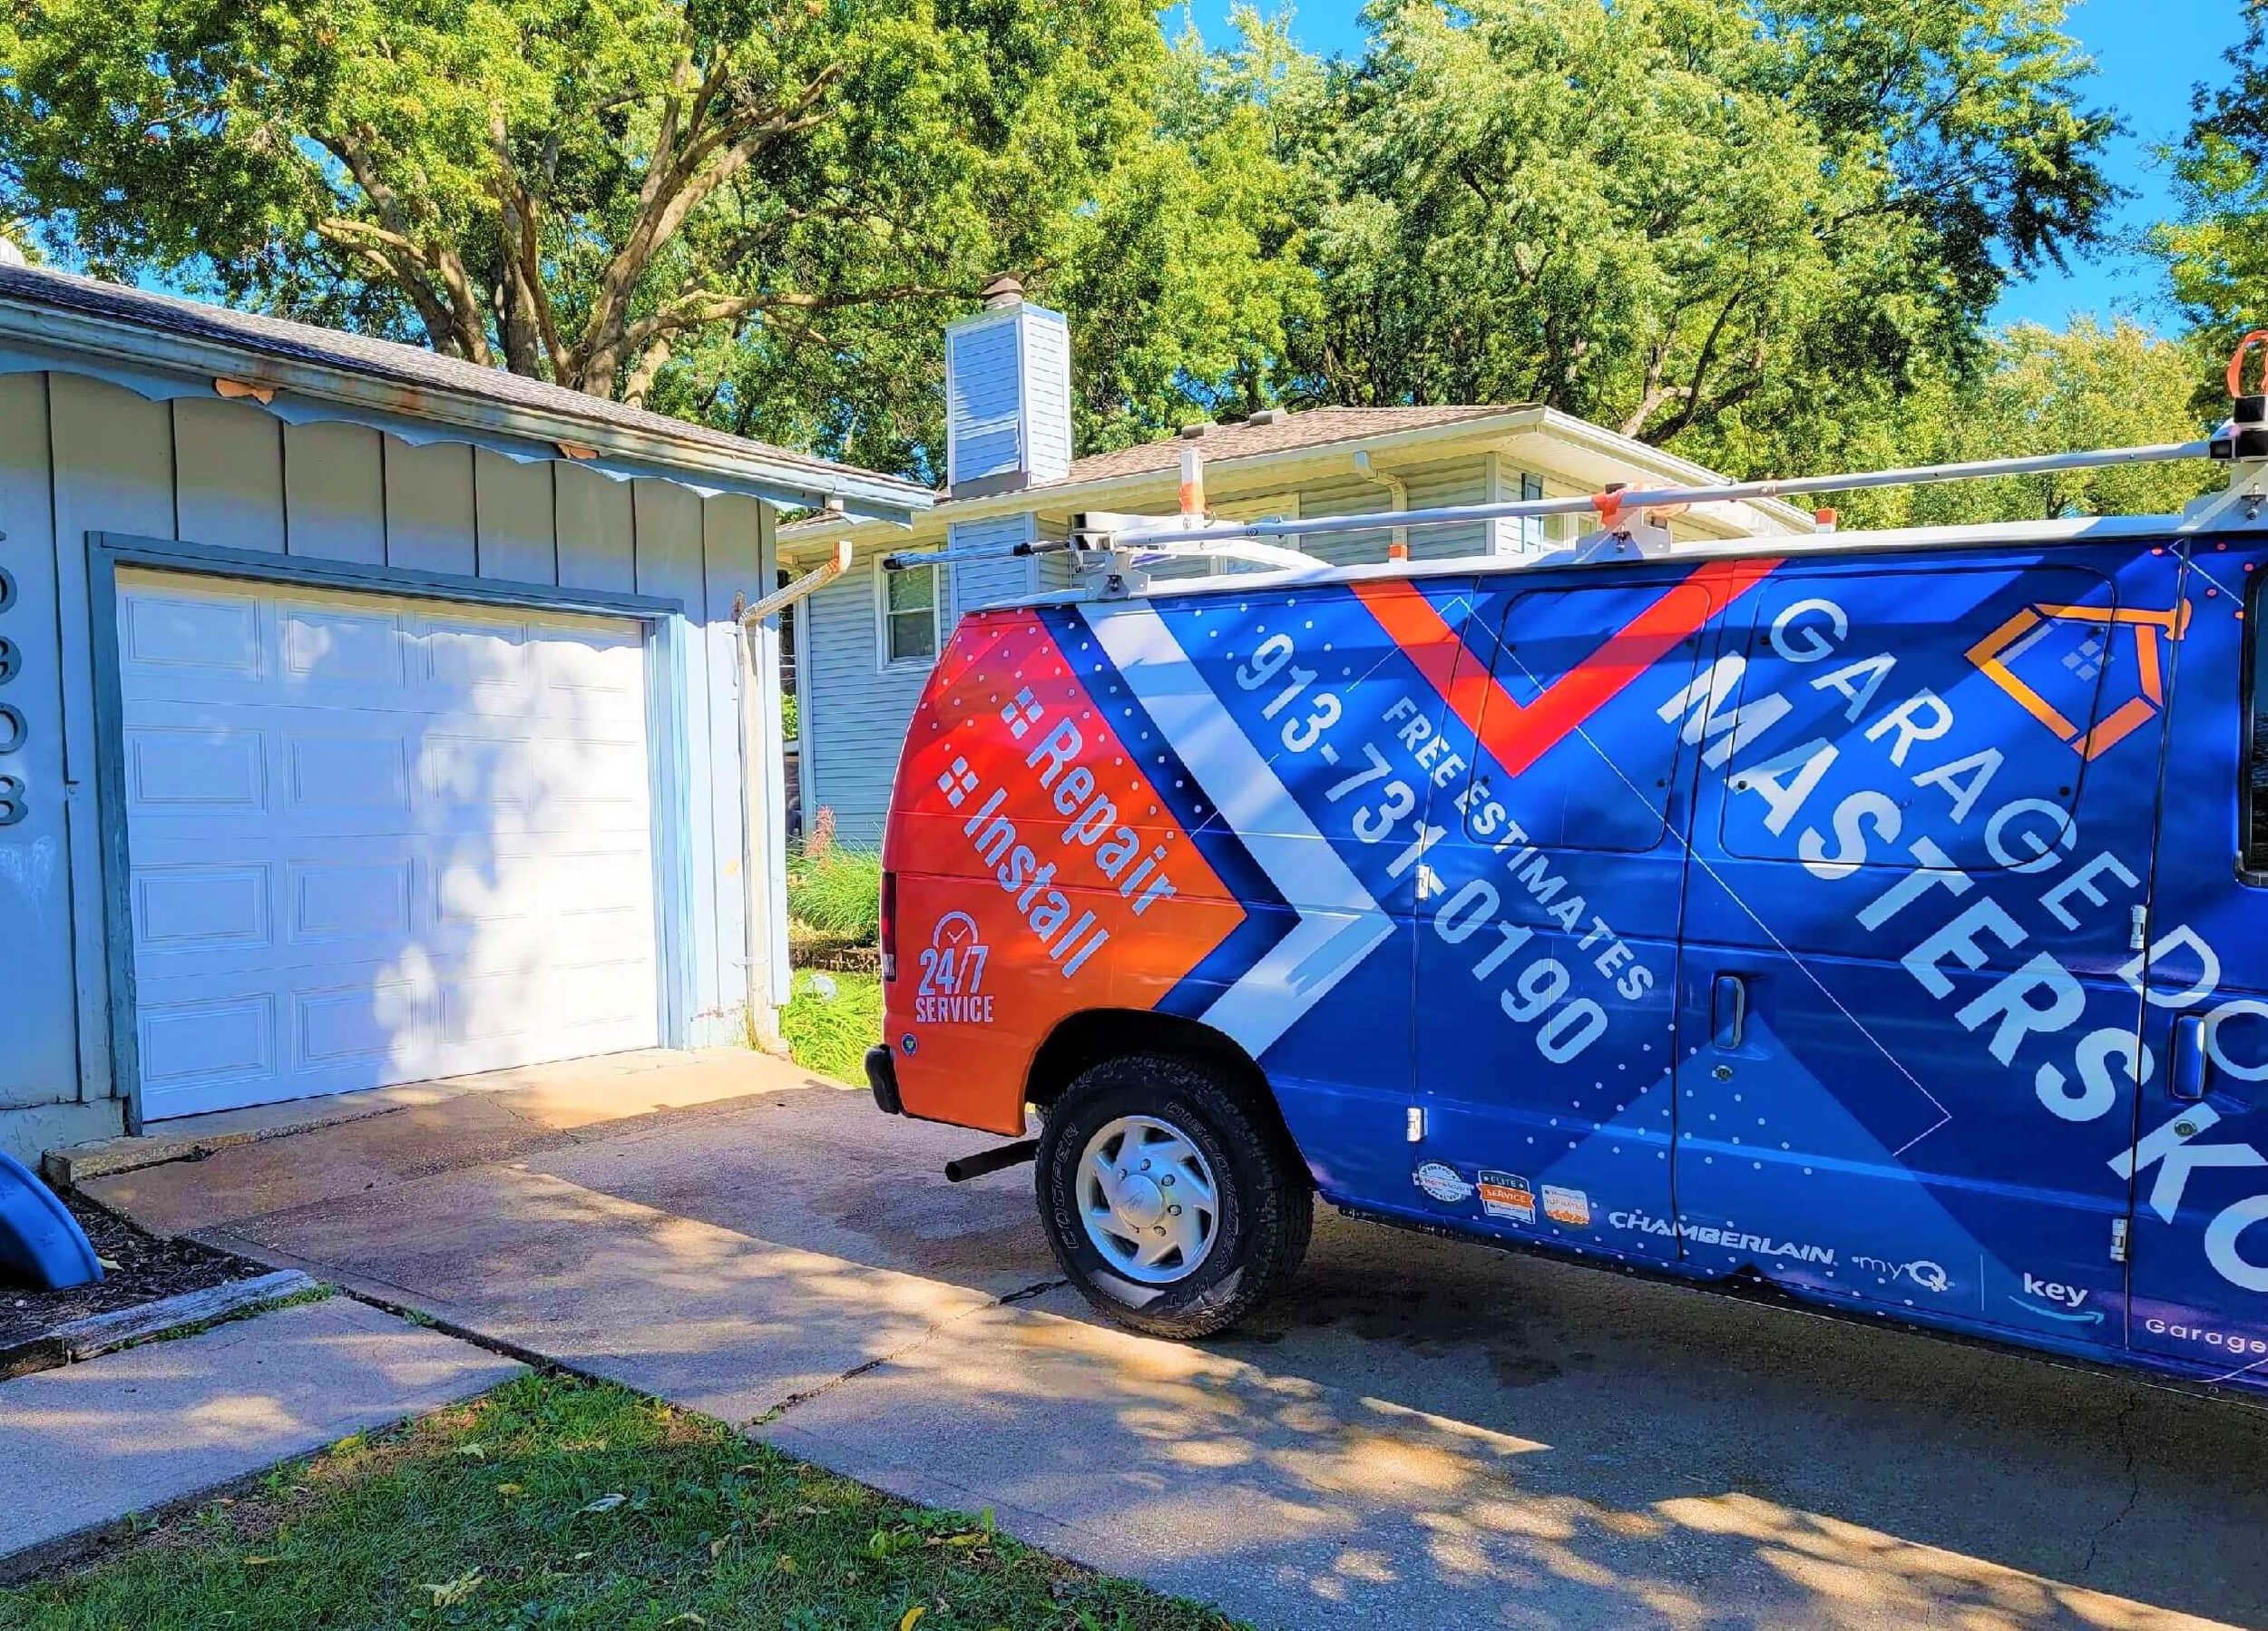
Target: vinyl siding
(78, 454)
(856, 710)
(1047, 360)
(856, 713)
(983, 392)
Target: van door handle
(1728, 1009)
(2185, 1080)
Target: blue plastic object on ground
(40, 1241)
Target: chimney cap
(1003, 289)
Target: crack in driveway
(1023, 1293)
(2124, 1431)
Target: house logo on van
(1996, 653)
(952, 990)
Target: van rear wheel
(1169, 1207)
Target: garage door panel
(197, 906)
(182, 634)
(347, 900)
(380, 1024)
(208, 1042)
(324, 646)
(378, 842)
(557, 777)
(208, 766)
(358, 773)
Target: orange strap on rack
(2237, 362)
(1609, 507)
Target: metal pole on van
(1110, 550)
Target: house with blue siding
(865, 642)
(368, 716)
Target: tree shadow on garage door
(378, 840)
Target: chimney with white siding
(1008, 395)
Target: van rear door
(2200, 1160)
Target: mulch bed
(148, 1268)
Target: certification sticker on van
(1569, 1207)
(1444, 1182)
(1504, 1196)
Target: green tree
(1744, 227)
(2045, 391)
(2216, 252)
(756, 214)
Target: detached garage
(366, 715)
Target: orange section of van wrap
(985, 969)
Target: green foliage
(2216, 253)
(1736, 226)
(2048, 392)
(555, 1503)
(830, 1021)
(790, 717)
(1748, 228)
(757, 215)
(837, 891)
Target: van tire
(1265, 1205)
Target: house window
(908, 602)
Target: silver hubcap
(1147, 1199)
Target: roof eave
(1107, 492)
(882, 498)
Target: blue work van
(1880, 920)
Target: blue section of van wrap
(1813, 921)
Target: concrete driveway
(1426, 1434)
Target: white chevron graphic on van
(1339, 922)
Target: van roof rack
(1113, 552)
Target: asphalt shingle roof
(1287, 433)
(411, 367)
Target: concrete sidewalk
(1426, 1433)
(88, 1444)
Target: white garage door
(378, 840)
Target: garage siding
(79, 456)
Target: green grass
(838, 893)
(830, 1035)
(559, 1503)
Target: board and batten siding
(855, 706)
(78, 454)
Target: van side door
(1921, 842)
(2200, 1159)
(1546, 933)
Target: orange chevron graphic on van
(1519, 735)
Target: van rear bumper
(882, 1077)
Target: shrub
(830, 1022)
(838, 892)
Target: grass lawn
(830, 1035)
(561, 1503)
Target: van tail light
(889, 926)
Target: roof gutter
(1683, 471)
(46, 327)
(1400, 489)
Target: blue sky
(2147, 54)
